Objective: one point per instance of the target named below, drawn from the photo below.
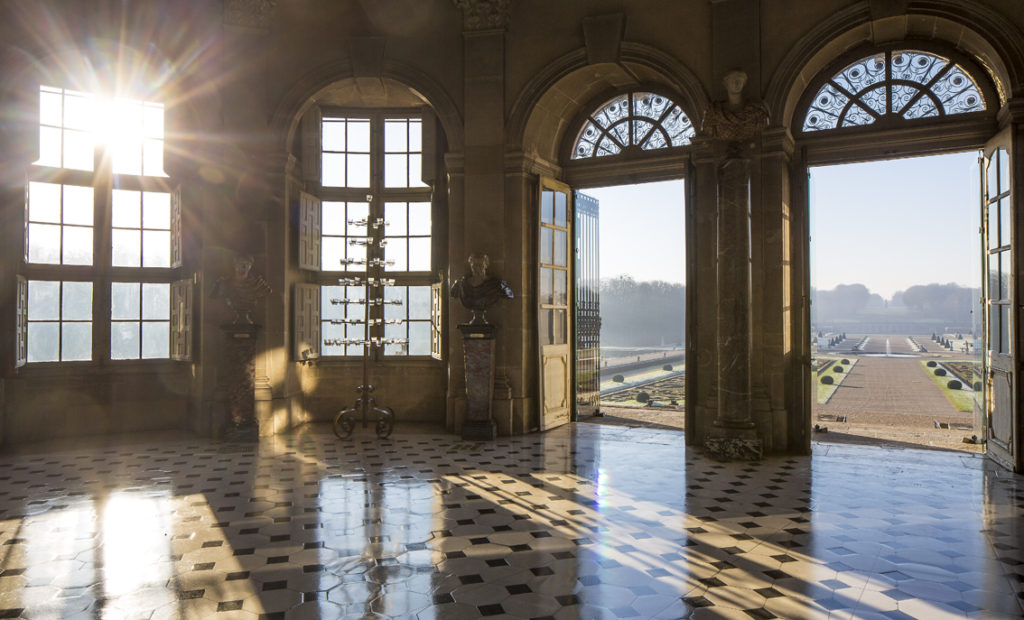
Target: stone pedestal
(240, 371)
(733, 435)
(478, 341)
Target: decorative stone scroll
(248, 14)
(484, 14)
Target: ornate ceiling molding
(252, 15)
(484, 14)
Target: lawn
(963, 400)
(825, 392)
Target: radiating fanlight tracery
(909, 83)
(642, 119)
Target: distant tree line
(951, 302)
(645, 314)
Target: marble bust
(242, 289)
(737, 118)
(479, 291)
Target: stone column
(479, 342)
(239, 366)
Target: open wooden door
(1001, 377)
(554, 301)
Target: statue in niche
(737, 118)
(242, 290)
(479, 291)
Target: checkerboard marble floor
(581, 522)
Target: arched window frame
(895, 120)
(630, 151)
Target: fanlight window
(645, 120)
(907, 83)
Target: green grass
(657, 373)
(825, 392)
(962, 400)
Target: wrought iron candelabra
(366, 407)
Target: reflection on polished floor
(581, 522)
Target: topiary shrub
(977, 386)
(618, 378)
(827, 380)
(845, 361)
(930, 364)
(837, 369)
(643, 397)
(953, 384)
(940, 372)
(667, 367)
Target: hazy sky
(892, 224)
(642, 231)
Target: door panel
(554, 300)
(588, 306)
(1000, 297)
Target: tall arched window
(903, 85)
(641, 120)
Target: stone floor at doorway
(581, 522)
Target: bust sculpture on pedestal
(478, 292)
(735, 119)
(242, 289)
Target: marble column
(240, 370)
(478, 341)
(733, 433)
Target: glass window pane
(993, 175)
(124, 301)
(419, 254)
(1004, 333)
(359, 136)
(76, 302)
(560, 326)
(560, 248)
(332, 136)
(392, 311)
(43, 342)
(332, 250)
(546, 283)
(80, 113)
(156, 210)
(560, 210)
(547, 207)
(328, 310)
(358, 170)
(49, 147)
(75, 342)
(44, 244)
(358, 253)
(124, 341)
(77, 245)
(43, 300)
(396, 251)
(156, 301)
(395, 216)
(127, 153)
(51, 108)
(153, 158)
(1004, 221)
(1004, 170)
(415, 136)
(78, 205)
(358, 212)
(78, 150)
(993, 226)
(395, 136)
(153, 121)
(416, 171)
(332, 220)
(993, 327)
(126, 209)
(333, 170)
(329, 332)
(44, 202)
(126, 248)
(156, 248)
(561, 281)
(547, 331)
(419, 218)
(419, 303)
(545, 246)
(419, 338)
(1004, 275)
(156, 340)
(993, 276)
(396, 170)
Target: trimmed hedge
(954, 384)
(977, 386)
(643, 397)
(827, 380)
(940, 372)
(837, 369)
(667, 367)
(618, 378)
(845, 361)
(930, 364)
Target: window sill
(42, 370)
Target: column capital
(1012, 112)
(703, 151)
(777, 141)
(249, 15)
(484, 14)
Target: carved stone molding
(484, 14)
(253, 15)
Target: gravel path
(889, 385)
